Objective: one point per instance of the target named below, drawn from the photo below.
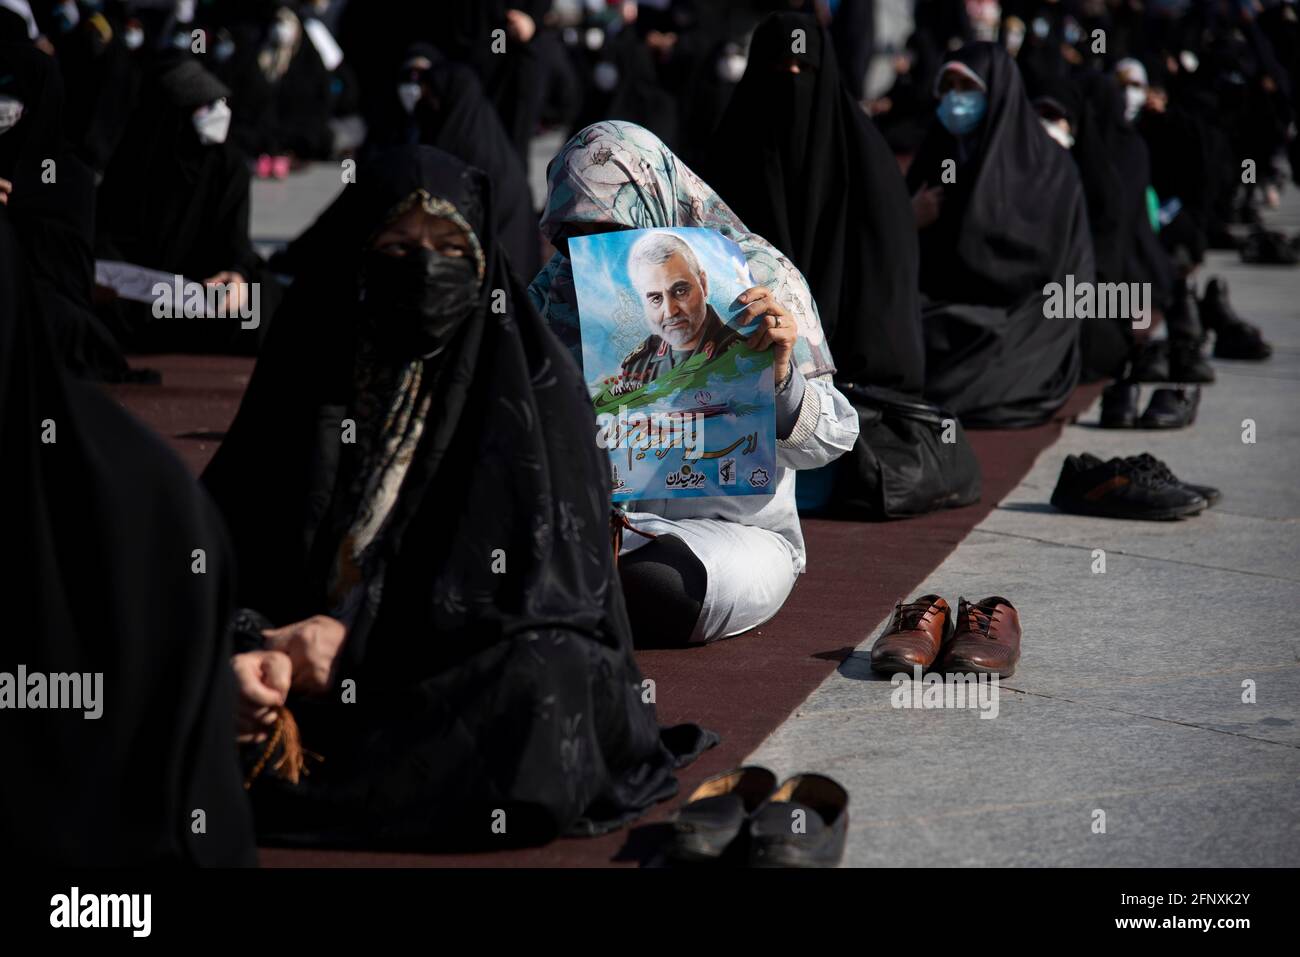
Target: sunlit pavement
(1129, 696)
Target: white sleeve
(331, 54)
(827, 428)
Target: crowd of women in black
(406, 532)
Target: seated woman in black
(441, 103)
(416, 498)
(1002, 213)
(175, 199)
(53, 216)
(1076, 111)
(115, 617)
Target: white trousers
(750, 570)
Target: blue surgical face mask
(961, 111)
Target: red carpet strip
(743, 688)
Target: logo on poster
(727, 472)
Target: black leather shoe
(1122, 488)
(1151, 364)
(1207, 492)
(802, 825)
(1147, 460)
(1171, 408)
(1186, 364)
(1241, 341)
(1267, 247)
(1119, 405)
(1234, 338)
(716, 813)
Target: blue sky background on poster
(723, 413)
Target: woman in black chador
(1014, 220)
(417, 499)
(109, 580)
(824, 188)
(440, 103)
(176, 198)
(53, 215)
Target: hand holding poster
(683, 404)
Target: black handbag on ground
(900, 464)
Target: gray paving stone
(948, 788)
(1128, 697)
(281, 209)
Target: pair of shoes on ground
(1179, 359)
(982, 638)
(1135, 487)
(1163, 360)
(743, 816)
(1168, 408)
(1234, 338)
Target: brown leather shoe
(987, 640)
(913, 636)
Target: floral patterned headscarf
(618, 173)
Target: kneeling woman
(430, 532)
(704, 568)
